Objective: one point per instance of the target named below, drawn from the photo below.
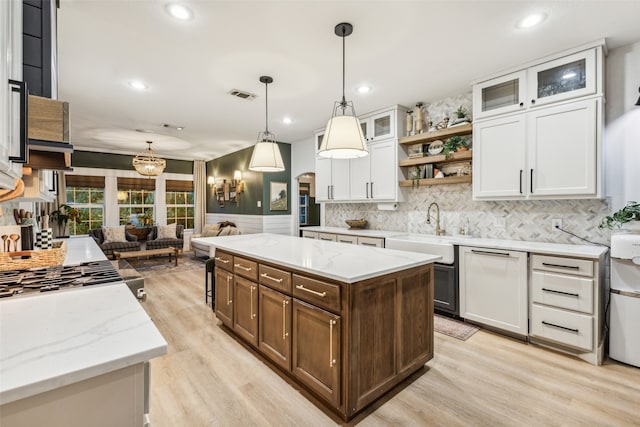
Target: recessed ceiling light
(364, 89)
(532, 20)
(136, 84)
(178, 11)
(287, 120)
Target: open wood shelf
(436, 181)
(440, 158)
(422, 138)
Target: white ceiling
(407, 51)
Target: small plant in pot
(62, 216)
(628, 214)
(455, 143)
(461, 112)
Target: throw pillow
(225, 231)
(167, 231)
(211, 230)
(114, 234)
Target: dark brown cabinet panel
(316, 350)
(317, 292)
(274, 338)
(224, 296)
(245, 320)
(245, 268)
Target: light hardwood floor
(209, 379)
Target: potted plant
(461, 112)
(146, 218)
(455, 143)
(62, 216)
(629, 213)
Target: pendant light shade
(148, 164)
(266, 155)
(343, 137)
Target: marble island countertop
(584, 251)
(52, 339)
(345, 263)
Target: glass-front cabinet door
(568, 77)
(382, 126)
(501, 95)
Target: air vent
(242, 94)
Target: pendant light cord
(266, 107)
(344, 101)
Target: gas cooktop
(44, 279)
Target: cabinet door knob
(522, 104)
(533, 101)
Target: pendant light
(148, 164)
(266, 155)
(343, 138)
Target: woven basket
(36, 258)
(356, 223)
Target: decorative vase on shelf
(419, 118)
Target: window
(180, 205)
(136, 198)
(86, 194)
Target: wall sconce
(237, 182)
(211, 180)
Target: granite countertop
(57, 338)
(563, 249)
(345, 263)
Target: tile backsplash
(517, 220)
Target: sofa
(161, 237)
(129, 244)
(223, 228)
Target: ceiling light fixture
(136, 84)
(266, 155)
(178, 11)
(364, 89)
(638, 101)
(287, 120)
(148, 164)
(532, 20)
(343, 138)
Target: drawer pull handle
(490, 253)
(222, 260)
(253, 315)
(242, 267)
(575, 331)
(571, 294)
(275, 279)
(332, 361)
(631, 294)
(229, 301)
(345, 241)
(326, 239)
(284, 319)
(571, 267)
(368, 244)
(311, 291)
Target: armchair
(131, 243)
(153, 242)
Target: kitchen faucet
(439, 231)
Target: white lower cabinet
(310, 234)
(327, 237)
(342, 238)
(566, 305)
(493, 288)
(377, 242)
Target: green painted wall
(90, 159)
(256, 184)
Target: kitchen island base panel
(350, 343)
(112, 399)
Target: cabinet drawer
(561, 290)
(371, 241)
(565, 327)
(341, 238)
(329, 237)
(275, 278)
(245, 268)
(579, 267)
(223, 260)
(310, 234)
(321, 294)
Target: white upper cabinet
(373, 178)
(561, 78)
(500, 95)
(12, 95)
(537, 132)
(380, 126)
(572, 76)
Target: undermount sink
(434, 245)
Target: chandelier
(148, 164)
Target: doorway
(308, 209)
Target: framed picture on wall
(278, 196)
